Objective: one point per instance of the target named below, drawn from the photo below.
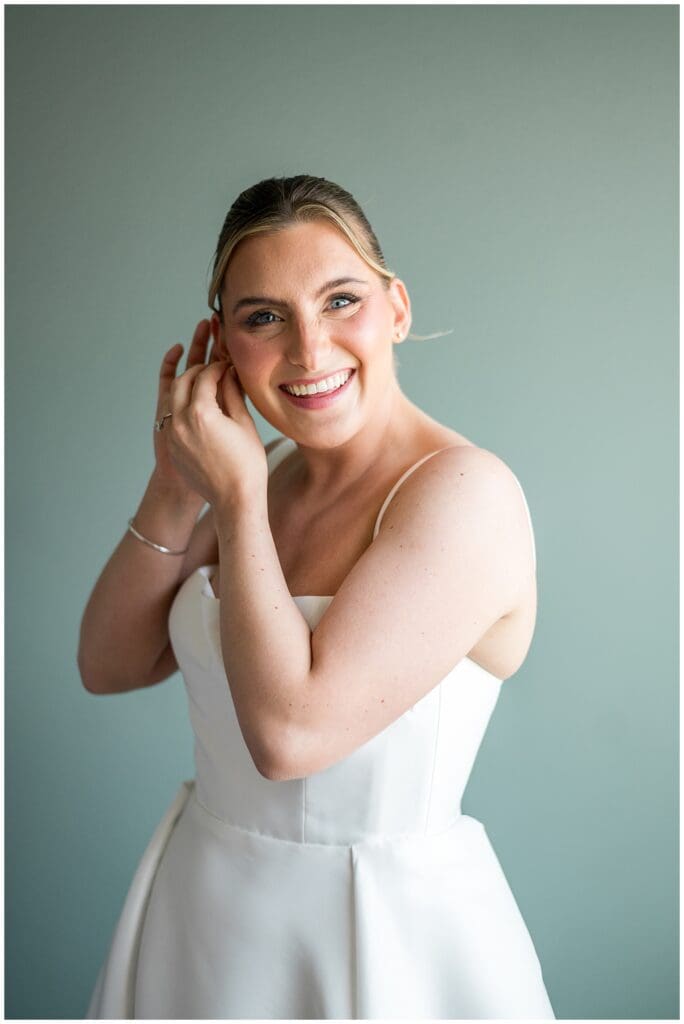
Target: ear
(401, 303)
(219, 335)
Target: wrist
(177, 500)
(166, 516)
(241, 505)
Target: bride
(343, 614)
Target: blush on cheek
(253, 364)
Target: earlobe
(402, 308)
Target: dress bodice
(407, 779)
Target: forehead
(300, 252)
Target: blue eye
(255, 321)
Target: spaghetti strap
(285, 444)
(398, 485)
(410, 470)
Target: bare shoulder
(470, 475)
(469, 499)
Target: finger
(180, 390)
(167, 373)
(219, 376)
(198, 346)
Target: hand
(211, 439)
(165, 471)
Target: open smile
(321, 399)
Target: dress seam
(304, 797)
(368, 840)
(435, 753)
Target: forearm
(124, 628)
(265, 639)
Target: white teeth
(329, 384)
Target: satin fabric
(360, 892)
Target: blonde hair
(276, 203)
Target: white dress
(358, 892)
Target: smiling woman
(344, 617)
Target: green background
(519, 165)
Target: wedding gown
(359, 892)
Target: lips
(321, 399)
(305, 381)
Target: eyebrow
(258, 300)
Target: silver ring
(159, 424)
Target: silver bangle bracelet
(157, 547)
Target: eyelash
(251, 320)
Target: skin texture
(452, 556)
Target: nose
(309, 344)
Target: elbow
(87, 679)
(279, 771)
(285, 759)
(90, 678)
(273, 758)
(89, 682)
(270, 766)
(94, 682)
(274, 773)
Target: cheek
(250, 358)
(368, 332)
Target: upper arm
(450, 559)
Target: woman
(343, 616)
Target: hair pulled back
(276, 203)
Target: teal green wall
(519, 165)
